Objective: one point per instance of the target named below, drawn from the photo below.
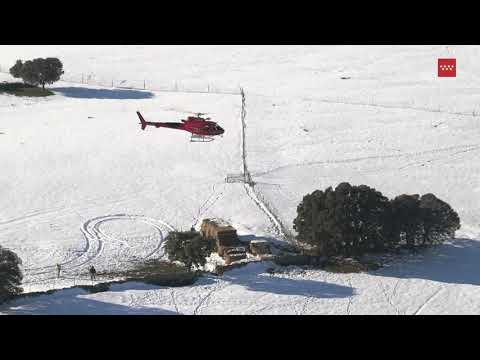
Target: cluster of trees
(38, 71)
(10, 274)
(188, 247)
(351, 220)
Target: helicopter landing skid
(201, 138)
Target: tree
(53, 70)
(30, 73)
(406, 220)
(16, 70)
(348, 220)
(10, 274)
(42, 71)
(439, 220)
(369, 212)
(312, 222)
(188, 247)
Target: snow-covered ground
(81, 184)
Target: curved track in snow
(95, 241)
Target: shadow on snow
(89, 93)
(255, 279)
(74, 301)
(456, 262)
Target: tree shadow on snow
(457, 262)
(89, 93)
(255, 279)
(70, 302)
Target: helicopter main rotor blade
(183, 111)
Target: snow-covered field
(81, 184)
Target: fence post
(144, 87)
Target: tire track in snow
(469, 147)
(172, 295)
(66, 209)
(305, 304)
(433, 296)
(350, 298)
(204, 301)
(423, 163)
(389, 298)
(91, 231)
(384, 106)
(399, 107)
(207, 204)
(94, 244)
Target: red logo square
(447, 67)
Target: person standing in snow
(92, 272)
(58, 270)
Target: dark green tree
(439, 220)
(190, 248)
(406, 220)
(312, 222)
(16, 70)
(10, 274)
(42, 71)
(348, 220)
(53, 70)
(368, 211)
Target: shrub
(189, 247)
(10, 274)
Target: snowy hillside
(82, 184)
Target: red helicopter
(202, 129)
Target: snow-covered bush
(10, 274)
